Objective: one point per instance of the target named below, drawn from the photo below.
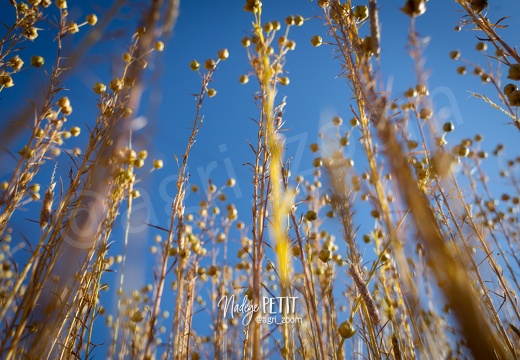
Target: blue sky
(315, 94)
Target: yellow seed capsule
(212, 92)
(66, 110)
(323, 3)
(210, 64)
(73, 28)
(100, 88)
(75, 131)
(337, 121)
(92, 19)
(346, 330)
(514, 98)
(143, 154)
(514, 72)
(16, 63)
(194, 65)
(425, 113)
(316, 40)
(414, 7)
(298, 20)
(37, 61)
(246, 42)
(361, 12)
(244, 79)
(159, 46)
(31, 33)
(284, 80)
(223, 54)
(455, 54)
(481, 46)
(61, 4)
(157, 164)
(291, 45)
(509, 88)
(116, 85)
(6, 81)
(137, 316)
(479, 5)
(64, 101)
(268, 27)
(324, 255)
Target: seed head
(100, 88)
(509, 88)
(448, 127)
(479, 5)
(481, 46)
(414, 8)
(92, 19)
(223, 54)
(455, 54)
(298, 20)
(361, 12)
(116, 85)
(61, 4)
(6, 81)
(210, 64)
(72, 28)
(346, 330)
(159, 46)
(284, 80)
(194, 65)
(514, 72)
(37, 61)
(246, 42)
(31, 33)
(316, 40)
(16, 63)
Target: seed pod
(514, 98)
(324, 255)
(316, 40)
(514, 72)
(16, 62)
(194, 65)
(479, 5)
(210, 64)
(100, 88)
(414, 7)
(92, 19)
(6, 81)
(37, 61)
(448, 127)
(346, 330)
(509, 88)
(360, 12)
